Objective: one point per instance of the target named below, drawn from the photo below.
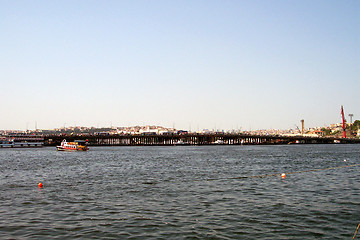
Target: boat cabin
(80, 142)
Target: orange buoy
(283, 175)
(40, 185)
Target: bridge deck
(193, 139)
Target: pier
(194, 139)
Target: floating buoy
(283, 175)
(345, 160)
(40, 185)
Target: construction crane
(297, 128)
(343, 122)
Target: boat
(180, 142)
(6, 143)
(219, 142)
(77, 145)
(18, 141)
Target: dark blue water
(185, 192)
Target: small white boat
(180, 142)
(219, 142)
(77, 145)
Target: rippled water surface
(184, 192)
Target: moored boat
(5, 142)
(77, 145)
(20, 141)
(219, 142)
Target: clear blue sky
(199, 64)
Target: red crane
(343, 122)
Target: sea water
(181, 192)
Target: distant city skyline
(184, 64)
(296, 127)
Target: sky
(192, 65)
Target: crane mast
(343, 122)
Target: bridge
(194, 139)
